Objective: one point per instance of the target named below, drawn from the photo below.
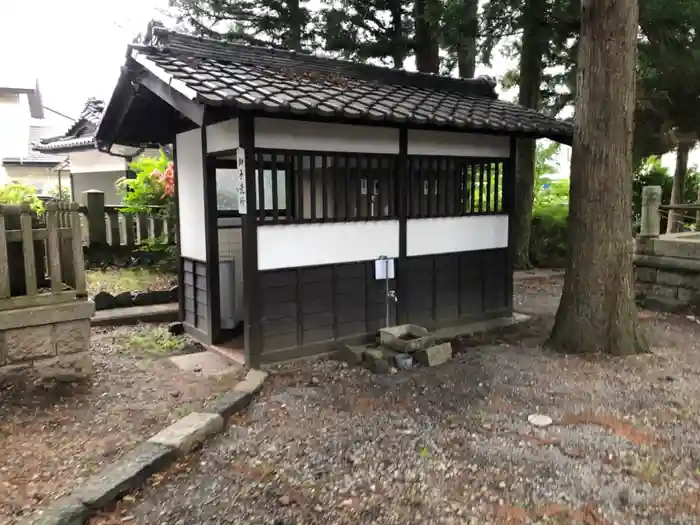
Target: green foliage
(16, 193)
(148, 188)
(60, 194)
(549, 220)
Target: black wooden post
(402, 212)
(251, 287)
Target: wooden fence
(654, 213)
(41, 258)
(105, 225)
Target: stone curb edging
(148, 457)
(136, 314)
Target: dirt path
(329, 444)
(51, 438)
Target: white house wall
(453, 144)
(94, 161)
(190, 181)
(456, 234)
(297, 245)
(222, 136)
(318, 136)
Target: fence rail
(41, 259)
(108, 225)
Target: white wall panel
(190, 188)
(456, 234)
(294, 245)
(454, 144)
(321, 136)
(222, 136)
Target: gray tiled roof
(81, 135)
(272, 80)
(34, 157)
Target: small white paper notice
(380, 269)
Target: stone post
(651, 217)
(94, 201)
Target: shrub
(16, 193)
(152, 186)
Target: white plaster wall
(222, 136)
(15, 119)
(104, 181)
(94, 161)
(231, 248)
(456, 234)
(190, 181)
(455, 144)
(294, 245)
(319, 136)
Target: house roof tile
(80, 135)
(272, 80)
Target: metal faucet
(391, 294)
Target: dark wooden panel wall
(314, 308)
(195, 296)
(444, 290)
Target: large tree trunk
(675, 219)
(597, 310)
(466, 51)
(426, 38)
(531, 64)
(398, 41)
(295, 30)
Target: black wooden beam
(251, 286)
(401, 185)
(178, 252)
(211, 234)
(188, 107)
(509, 207)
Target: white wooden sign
(381, 267)
(240, 167)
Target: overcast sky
(74, 47)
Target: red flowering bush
(153, 188)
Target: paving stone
(350, 354)
(376, 360)
(207, 363)
(228, 404)
(124, 475)
(65, 511)
(252, 383)
(435, 355)
(190, 431)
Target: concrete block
(252, 383)
(64, 511)
(65, 368)
(124, 475)
(435, 355)
(405, 338)
(376, 360)
(228, 404)
(350, 354)
(645, 275)
(190, 431)
(72, 337)
(669, 292)
(687, 296)
(33, 342)
(671, 278)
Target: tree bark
(675, 219)
(534, 43)
(295, 29)
(426, 38)
(597, 312)
(466, 51)
(398, 41)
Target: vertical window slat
(496, 186)
(299, 175)
(325, 200)
(312, 186)
(489, 205)
(472, 179)
(260, 175)
(275, 190)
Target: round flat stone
(539, 420)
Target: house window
(323, 187)
(460, 186)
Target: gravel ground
(54, 436)
(328, 444)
